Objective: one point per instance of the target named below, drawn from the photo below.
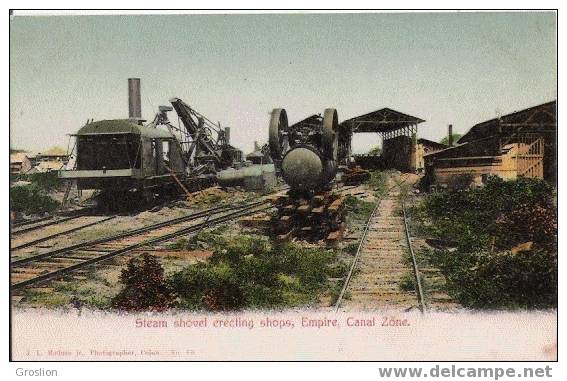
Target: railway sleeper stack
(311, 219)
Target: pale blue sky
(459, 68)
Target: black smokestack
(450, 135)
(134, 99)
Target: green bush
(253, 272)
(484, 225)
(499, 280)
(376, 151)
(46, 181)
(145, 287)
(31, 199)
(469, 216)
(536, 223)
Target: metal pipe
(227, 135)
(450, 135)
(134, 99)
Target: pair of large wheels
(279, 129)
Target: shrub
(500, 280)
(485, 224)
(469, 216)
(253, 272)
(529, 222)
(376, 151)
(31, 199)
(46, 181)
(145, 287)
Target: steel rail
(419, 290)
(47, 238)
(49, 223)
(66, 216)
(415, 267)
(249, 209)
(355, 260)
(34, 221)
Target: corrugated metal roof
(122, 126)
(541, 115)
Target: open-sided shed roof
(383, 120)
(312, 120)
(542, 117)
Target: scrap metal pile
(355, 175)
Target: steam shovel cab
(118, 156)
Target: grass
(407, 283)
(46, 299)
(253, 272)
(358, 211)
(93, 292)
(335, 292)
(378, 182)
(95, 233)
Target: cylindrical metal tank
(253, 177)
(304, 169)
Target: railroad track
(34, 221)
(380, 260)
(50, 221)
(87, 224)
(53, 219)
(57, 263)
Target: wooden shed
(398, 132)
(523, 143)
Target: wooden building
(19, 163)
(523, 143)
(425, 147)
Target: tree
(376, 151)
(445, 140)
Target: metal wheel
(330, 133)
(278, 133)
